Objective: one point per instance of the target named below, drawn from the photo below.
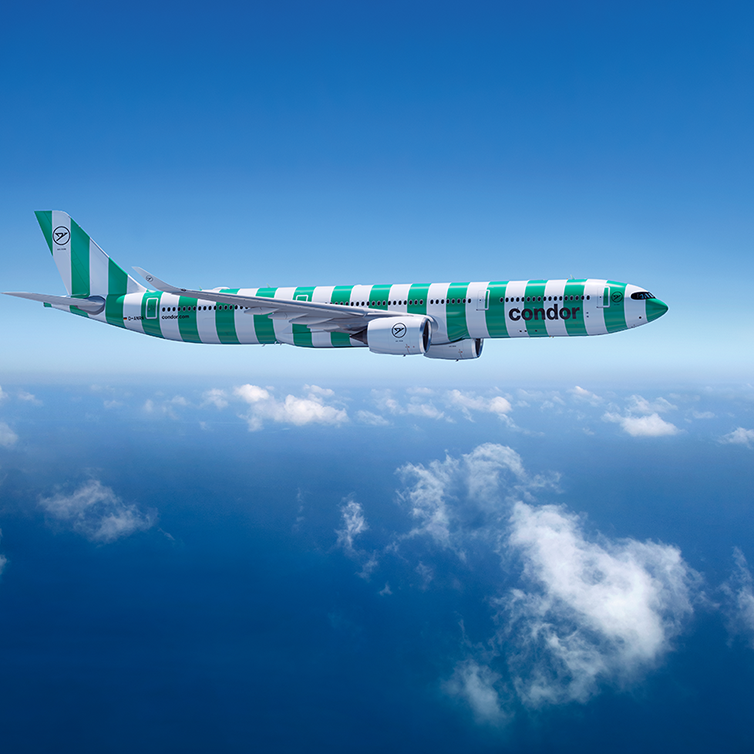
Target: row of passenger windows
(511, 299)
(201, 308)
(411, 302)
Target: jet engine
(471, 348)
(402, 335)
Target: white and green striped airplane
(438, 320)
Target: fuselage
(457, 311)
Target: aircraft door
(483, 299)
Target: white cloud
(738, 605)
(4, 560)
(165, 407)
(468, 402)
(642, 418)
(593, 610)
(443, 495)
(3, 395)
(97, 513)
(23, 395)
(639, 405)
(323, 392)
(587, 610)
(739, 436)
(215, 397)
(582, 395)
(476, 685)
(354, 523)
(426, 410)
(702, 414)
(7, 436)
(420, 391)
(643, 426)
(264, 406)
(416, 406)
(367, 417)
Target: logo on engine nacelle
(399, 330)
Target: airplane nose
(655, 309)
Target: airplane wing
(315, 315)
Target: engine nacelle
(399, 335)
(471, 348)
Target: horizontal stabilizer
(90, 305)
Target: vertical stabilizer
(86, 269)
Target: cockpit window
(641, 295)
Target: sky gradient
(210, 548)
(343, 144)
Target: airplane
(437, 320)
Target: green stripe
(418, 294)
(575, 325)
(263, 325)
(536, 325)
(117, 280)
(44, 218)
(302, 335)
(225, 320)
(379, 297)
(151, 326)
(187, 320)
(341, 295)
(80, 312)
(496, 326)
(615, 314)
(114, 310)
(456, 313)
(79, 261)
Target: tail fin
(86, 269)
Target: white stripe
(636, 311)
(62, 254)
(168, 325)
(360, 295)
(476, 319)
(205, 320)
(283, 328)
(98, 270)
(515, 289)
(132, 312)
(555, 288)
(437, 292)
(594, 314)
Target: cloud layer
(310, 409)
(584, 610)
(590, 609)
(738, 604)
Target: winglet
(159, 285)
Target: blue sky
(395, 142)
(224, 548)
